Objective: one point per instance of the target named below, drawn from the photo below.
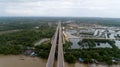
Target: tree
(70, 58)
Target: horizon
(56, 17)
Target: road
(50, 60)
(60, 62)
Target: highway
(60, 61)
(50, 60)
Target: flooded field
(75, 41)
(25, 61)
(117, 42)
(103, 45)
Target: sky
(61, 8)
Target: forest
(28, 34)
(16, 42)
(10, 23)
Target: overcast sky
(69, 8)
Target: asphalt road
(60, 62)
(50, 60)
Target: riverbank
(21, 61)
(26, 61)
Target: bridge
(56, 40)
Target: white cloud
(100, 8)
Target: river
(41, 41)
(26, 61)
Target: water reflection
(117, 42)
(103, 45)
(41, 41)
(75, 43)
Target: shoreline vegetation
(20, 42)
(89, 56)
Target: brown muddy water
(25, 61)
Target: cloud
(99, 8)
